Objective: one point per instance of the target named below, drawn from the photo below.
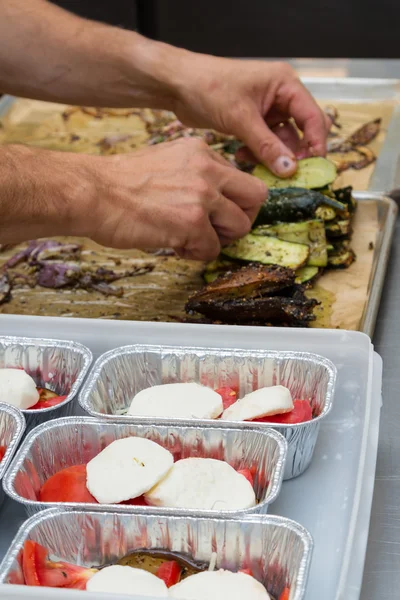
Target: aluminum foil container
(58, 365)
(12, 427)
(277, 550)
(76, 440)
(120, 374)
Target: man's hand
(179, 195)
(253, 100)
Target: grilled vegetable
(342, 256)
(311, 233)
(268, 251)
(295, 204)
(311, 173)
(249, 281)
(306, 275)
(345, 196)
(337, 229)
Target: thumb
(267, 146)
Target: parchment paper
(161, 294)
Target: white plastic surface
(333, 498)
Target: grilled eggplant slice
(268, 251)
(311, 233)
(311, 173)
(296, 310)
(295, 204)
(247, 282)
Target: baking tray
(12, 427)
(336, 490)
(278, 551)
(120, 374)
(59, 365)
(76, 440)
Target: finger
(229, 220)
(289, 135)
(204, 245)
(266, 146)
(309, 118)
(246, 191)
(245, 155)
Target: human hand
(179, 195)
(257, 102)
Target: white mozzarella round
(264, 402)
(219, 585)
(18, 388)
(126, 469)
(205, 484)
(118, 579)
(177, 401)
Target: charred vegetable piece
(342, 256)
(294, 204)
(268, 251)
(365, 134)
(337, 229)
(152, 560)
(311, 233)
(306, 274)
(345, 196)
(296, 310)
(249, 281)
(357, 158)
(311, 173)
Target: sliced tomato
(139, 501)
(246, 572)
(248, 474)
(3, 450)
(285, 594)
(68, 485)
(39, 571)
(47, 398)
(228, 395)
(301, 413)
(170, 572)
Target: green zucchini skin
(306, 275)
(294, 204)
(268, 251)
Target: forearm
(42, 194)
(49, 54)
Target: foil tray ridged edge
(19, 420)
(67, 345)
(33, 506)
(243, 353)
(298, 585)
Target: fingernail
(284, 165)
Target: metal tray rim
(47, 342)
(19, 419)
(135, 348)
(8, 480)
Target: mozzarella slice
(218, 585)
(17, 388)
(126, 469)
(264, 402)
(118, 579)
(202, 483)
(177, 401)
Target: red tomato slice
(246, 572)
(139, 501)
(47, 399)
(247, 473)
(169, 572)
(228, 395)
(68, 485)
(285, 594)
(39, 571)
(300, 414)
(3, 450)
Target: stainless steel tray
(120, 374)
(76, 440)
(277, 550)
(59, 365)
(12, 427)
